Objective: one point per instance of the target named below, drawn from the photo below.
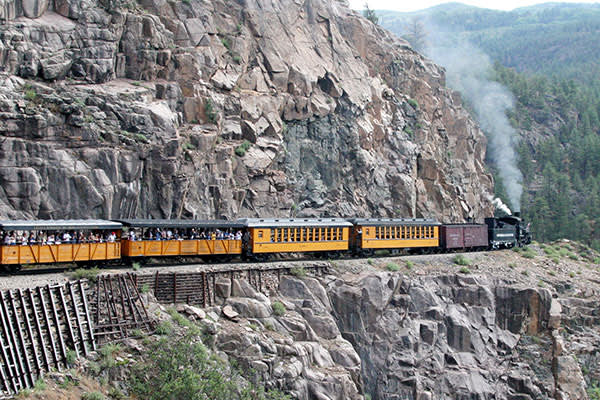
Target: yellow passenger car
(29, 243)
(297, 235)
(166, 237)
(395, 234)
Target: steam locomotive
(28, 244)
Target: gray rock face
(422, 337)
(452, 337)
(115, 109)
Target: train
(30, 244)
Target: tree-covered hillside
(551, 39)
(559, 154)
(548, 57)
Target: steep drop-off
(136, 109)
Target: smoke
(501, 206)
(468, 70)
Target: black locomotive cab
(508, 231)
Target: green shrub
(413, 103)
(92, 396)
(182, 368)
(552, 273)
(382, 253)
(108, 354)
(409, 265)
(572, 274)
(278, 308)
(392, 267)
(242, 148)
(210, 111)
(512, 265)
(136, 266)
(573, 256)
(140, 137)
(408, 130)
(300, 272)
(226, 42)
(188, 146)
(464, 270)
(460, 259)
(164, 328)
(71, 357)
(594, 392)
(525, 272)
(145, 288)
(115, 394)
(237, 59)
(30, 95)
(89, 274)
(370, 261)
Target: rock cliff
(202, 108)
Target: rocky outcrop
(392, 336)
(121, 109)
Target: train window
(260, 234)
(327, 233)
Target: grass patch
(278, 308)
(512, 265)
(460, 259)
(392, 267)
(93, 396)
(90, 274)
(145, 288)
(572, 274)
(413, 103)
(136, 266)
(409, 265)
(299, 272)
(243, 148)
(464, 270)
(371, 262)
(30, 95)
(528, 252)
(525, 272)
(39, 385)
(381, 253)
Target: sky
(406, 5)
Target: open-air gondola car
(26, 243)
(172, 237)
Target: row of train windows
(305, 234)
(404, 232)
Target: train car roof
(179, 223)
(393, 221)
(293, 222)
(58, 224)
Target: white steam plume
(501, 206)
(467, 71)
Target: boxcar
(170, 237)
(463, 236)
(297, 235)
(87, 241)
